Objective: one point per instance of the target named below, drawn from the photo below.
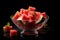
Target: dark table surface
(49, 35)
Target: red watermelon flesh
(17, 14)
(21, 11)
(31, 8)
(30, 19)
(25, 12)
(7, 28)
(13, 33)
(25, 18)
(44, 15)
(38, 17)
(31, 13)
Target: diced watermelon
(16, 15)
(28, 16)
(7, 28)
(31, 13)
(21, 11)
(30, 19)
(31, 8)
(13, 33)
(25, 12)
(38, 17)
(44, 15)
(25, 18)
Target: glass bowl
(29, 30)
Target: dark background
(9, 7)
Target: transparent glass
(32, 31)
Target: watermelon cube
(31, 8)
(13, 33)
(7, 28)
(44, 15)
(17, 14)
(25, 12)
(25, 18)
